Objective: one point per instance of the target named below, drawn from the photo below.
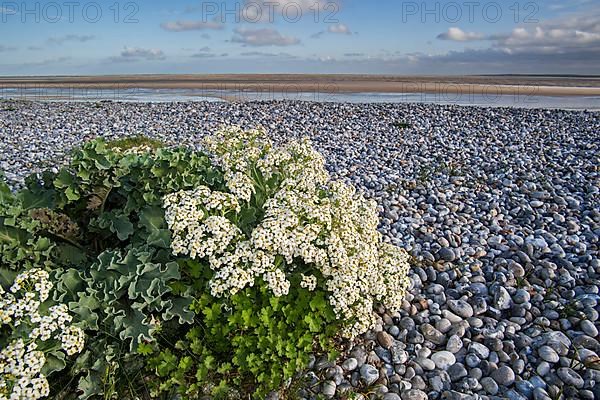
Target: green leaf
(180, 308)
(6, 195)
(133, 327)
(145, 349)
(70, 255)
(9, 234)
(152, 218)
(30, 200)
(314, 322)
(122, 226)
(318, 303)
(55, 361)
(72, 194)
(91, 384)
(7, 277)
(63, 179)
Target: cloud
(262, 37)
(458, 35)
(70, 38)
(336, 28)
(266, 54)
(131, 54)
(204, 55)
(569, 43)
(255, 11)
(339, 28)
(205, 52)
(573, 34)
(182, 26)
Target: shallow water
(180, 95)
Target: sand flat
(477, 85)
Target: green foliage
(154, 328)
(252, 342)
(98, 226)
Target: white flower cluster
(196, 231)
(237, 151)
(20, 372)
(308, 219)
(20, 361)
(309, 282)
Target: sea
(591, 103)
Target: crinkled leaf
(30, 200)
(122, 226)
(152, 218)
(55, 361)
(179, 307)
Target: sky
(299, 36)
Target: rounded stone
(479, 350)
(443, 359)
(548, 354)
(447, 254)
(454, 344)
(489, 385)
(461, 308)
(328, 389)
(414, 394)
(350, 364)
(369, 374)
(588, 328)
(570, 377)
(456, 372)
(385, 339)
(504, 376)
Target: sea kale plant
(35, 336)
(188, 274)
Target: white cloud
(262, 37)
(70, 38)
(181, 26)
(570, 39)
(129, 54)
(458, 35)
(288, 10)
(206, 52)
(339, 28)
(266, 54)
(6, 48)
(336, 28)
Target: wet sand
(477, 85)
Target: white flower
(21, 362)
(308, 219)
(72, 339)
(309, 282)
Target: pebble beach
(499, 208)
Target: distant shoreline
(476, 85)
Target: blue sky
(299, 36)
